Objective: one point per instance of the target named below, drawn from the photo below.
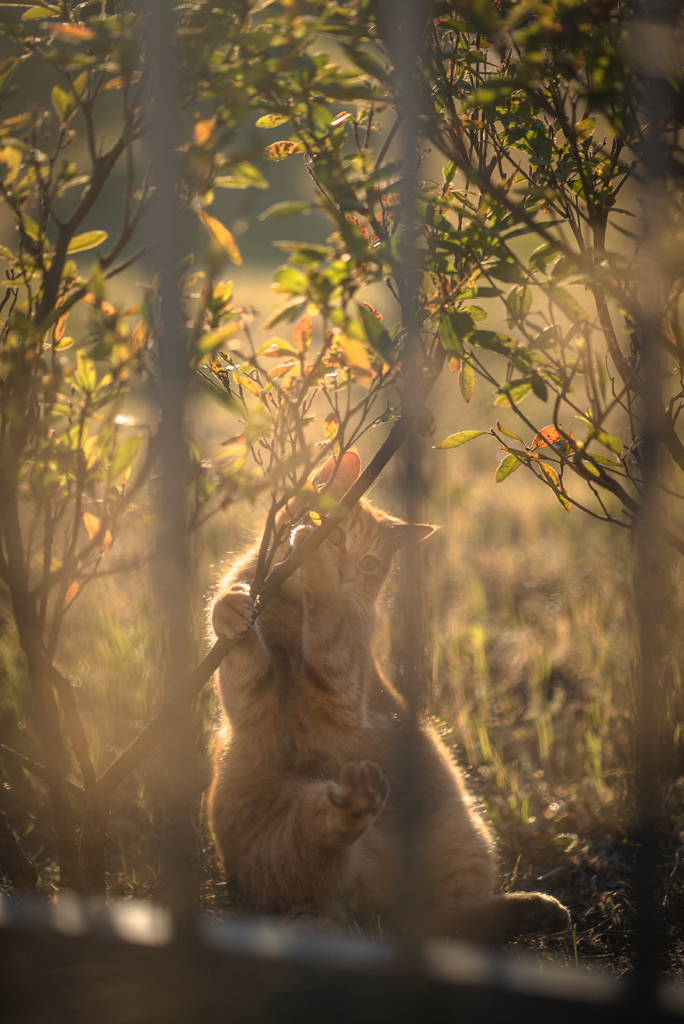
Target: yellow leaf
(13, 158)
(222, 237)
(72, 591)
(331, 426)
(279, 150)
(247, 382)
(356, 358)
(91, 523)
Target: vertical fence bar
(405, 26)
(650, 561)
(171, 556)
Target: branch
(74, 724)
(33, 766)
(13, 859)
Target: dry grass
(529, 666)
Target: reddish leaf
(301, 334)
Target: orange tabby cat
(303, 801)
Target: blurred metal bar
(172, 577)
(405, 22)
(650, 561)
(78, 961)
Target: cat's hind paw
(361, 794)
(232, 614)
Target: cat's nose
(348, 573)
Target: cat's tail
(500, 918)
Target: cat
(303, 804)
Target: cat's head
(362, 546)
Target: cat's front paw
(299, 535)
(232, 614)
(361, 794)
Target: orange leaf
(301, 334)
(547, 438)
(117, 83)
(378, 316)
(72, 31)
(203, 131)
(72, 591)
(278, 371)
(222, 237)
(339, 118)
(355, 220)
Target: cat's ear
(402, 535)
(348, 469)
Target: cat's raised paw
(362, 791)
(232, 614)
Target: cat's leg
(500, 918)
(288, 842)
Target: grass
(529, 663)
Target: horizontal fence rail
(81, 961)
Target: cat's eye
(369, 563)
(336, 537)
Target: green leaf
(584, 129)
(519, 303)
(243, 175)
(462, 437)
(88, 240)
(513, 393)
(507, 432)
(508, 465)
(491, 340)
(288, 209)
(541, 256)
(378, 337)
(568, 304)
(466, 379)
(37, 13)
(548, 337)
(539, 388)
(448, 337)
(289, 279)
(271, 120)
(125, 454)
(476, 313)
(63, 102)
(603, 460)
(610, 441)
